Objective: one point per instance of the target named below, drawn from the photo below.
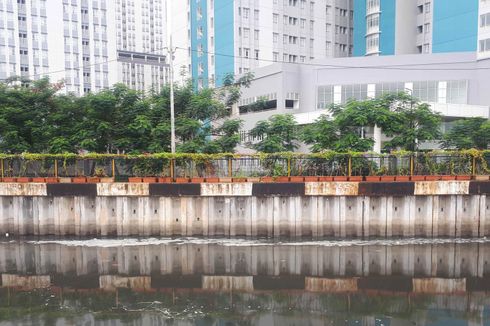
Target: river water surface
(244, 282)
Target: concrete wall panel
(442, 188)
(331, 188)
(123, 189)
(23, 189)
(226, 189)
(328, 215)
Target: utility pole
(172, 101)
(171, 51)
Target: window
(485, 45)
(246, 13)
(427, 7)
(427, 28)
(256, 34)
(275, 56)
(275, 37)
(485, 20)
(275, 18)
(373, 22)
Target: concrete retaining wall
(380, 209)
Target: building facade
(90, 45)
(236, 36)
(455, 84)
(392, 27)
(484, 30)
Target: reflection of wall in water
(438, 260)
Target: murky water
(242, 282)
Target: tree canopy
(35, 118)
(468, 133)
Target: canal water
(244, 282)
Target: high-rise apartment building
(236, 36)
(484, 30)
(90, 45)
(392, 27)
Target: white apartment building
(484, 30)
(236, 36)
(90, 45)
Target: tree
(277, 134)
(468, 133)
(35, 118)
(413, 123)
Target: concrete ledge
(442, 188)
(174, 189)
(331, 285)
(176, 281)
(23, 189)
(479, 188)
(279, 282)
(123, 189)
(439, 285)
(331, 188)
(26, 282)
(386, 188)
(477, 284)
(72, 189)
(112, 282)
(278, 189)
(89, 281)
(220, 283)
(386, 283)
(226, 189)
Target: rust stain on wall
(332, 188)
(439, 285)
(442, 188)
(23, 189)
(226, 189)
(331, 285)
(123, 189)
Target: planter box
(356, 178)
(79, 180)
(324, 179)
(165, 180)
(23, 179)
(254, 179)
(432, 177)
(181, 180)
(372, 178)
(312, 179)
(239, 179)
(64, 180)
(417, 178)
(387, 178)
(402, 178)
(282, 179)
(448, 177)
(135, 180)
(150, 180)
(9, 179)
(106, 180)
(482, 177)
(39, 180)
(225, 180)
(463, 177)
(197, 180)
(297, 179)
(267, 179)
(93, 179)
(52, 180)
(341, 178)
(212, 180)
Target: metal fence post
(2, 168)
(289, 166)
(230, 167)
(113, 168)
(172, 168)
(349, 166)
(411, 165)
(55, 168)
(473, 166)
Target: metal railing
(246, 166)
